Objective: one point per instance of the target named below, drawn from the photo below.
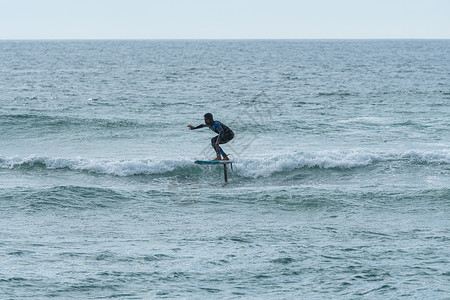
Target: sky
(224, 19)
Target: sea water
(340, 186)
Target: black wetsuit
(225, 135)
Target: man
(225, 134)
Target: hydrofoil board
(213, 162)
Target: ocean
(340, 186)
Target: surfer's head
(208, 118)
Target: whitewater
(248, 167)
(340, 186)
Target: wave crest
(248, 167)
(118, 168)
(337, 160)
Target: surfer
(225, 135)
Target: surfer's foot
(226, 158)
(217, 158)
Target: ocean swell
(109, 167)
(247, 167)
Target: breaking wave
(248, 167)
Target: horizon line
(206, 39)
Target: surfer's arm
(219, 138)
(221, 132)
(197, 127)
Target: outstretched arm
(197, 127)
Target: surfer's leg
(213, 144)
(221, 152)
(224, 155)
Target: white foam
(264, 167)
(118, 168)
(327, 159)
(430, 157)
(247, 167)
